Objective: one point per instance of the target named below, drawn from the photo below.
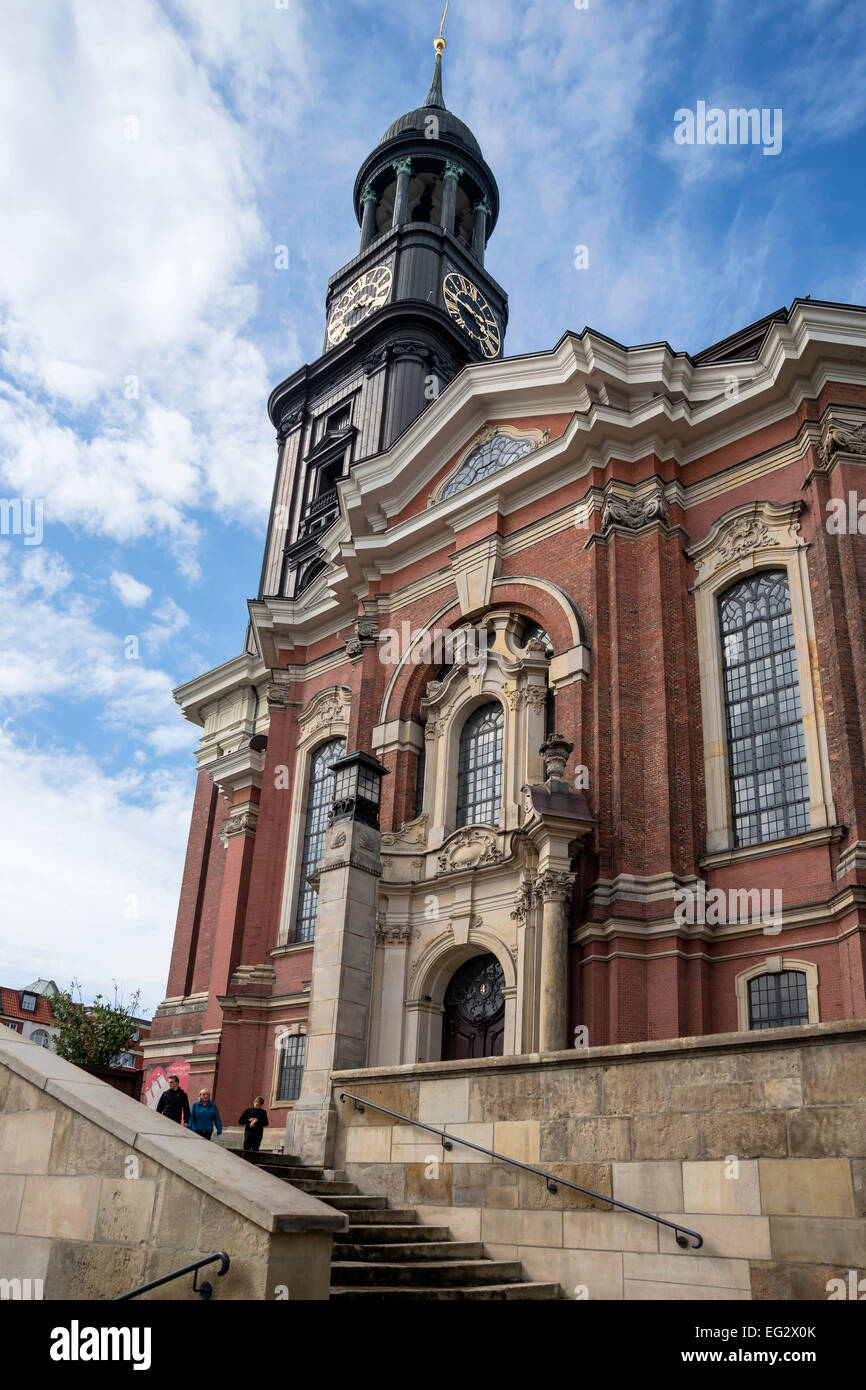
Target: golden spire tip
(440, 43)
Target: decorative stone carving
(537, 646)
(431, 730)
(414, 832)
(635, 512)
(842, 439)
(554, 886)
(745, 534)
(339, 840)
(513, 697)
(468, 849)
(555, 752)
(525, 901)
(239, 823)
(365, 635)
(536, 697)
(291, 421)
(328, 707)
(279, 697)
(393, 936)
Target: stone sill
(720, 859)
(263, 1199)
(843, 1030)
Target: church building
(549, 726)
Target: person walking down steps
(204, 1117)
(254, 1119)
(174, 1103)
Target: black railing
(552, 1182)
(203, 1290)
(321, 504)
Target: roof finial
(440, 44)
(434, 96)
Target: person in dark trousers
(254, 1120)
(204, 1117)
(174, 1103)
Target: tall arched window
(320, 796)
(479, 769)
(778, 1000)
(293, 1054)
(766, 752)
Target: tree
(92, 1035)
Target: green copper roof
(450, 126)
(434, 96)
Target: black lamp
(357, 788)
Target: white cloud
(51, 648)
(170, 620)
(91, 868)
(129, 590)
(128, 273)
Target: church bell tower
(412, 308)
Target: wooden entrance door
(474, 1022)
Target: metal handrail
(203, 1290)
(552, 1182)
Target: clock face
(369, 292)
(468, 307)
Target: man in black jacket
(254, 1120)
(174, 1103)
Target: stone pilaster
(348, 886)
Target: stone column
(369, 202)
(403, 170)
(453, 173)
(555, 889)
(482, 212)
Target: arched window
(479, 769)
(320, 796)
(766, 752)
(40, 1036)
(779, 1000)
(293, 1053)
(488, 458)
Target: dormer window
(28, 1003)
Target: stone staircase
(387, 1253)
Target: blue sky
(154, 156)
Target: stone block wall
(98, 1195)
(757, 1141)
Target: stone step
(267, 1156)
(324, 1187)
(421, 1250)
(397, 1233)
(375, 1216)
(452, 1273)
(293, 1173)
(487, 1292)
(359, 1202)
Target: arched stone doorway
(473, 1022)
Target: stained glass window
(779, 1000)
(293, 1053)
(479, 769)
(488, 458)
(769, 784)
(319, 801)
